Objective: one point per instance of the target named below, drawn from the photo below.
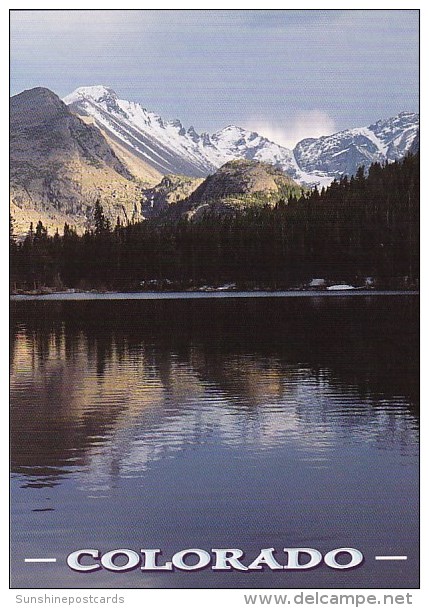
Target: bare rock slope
(59, 167)
(237, 185)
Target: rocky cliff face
(171, 190)
(60, 166)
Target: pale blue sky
(289, 74)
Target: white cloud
(311, 123)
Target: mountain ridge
(65, 156)
(171, 148)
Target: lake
(249, 422)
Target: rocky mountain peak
(36, 107)
(193, 134)
(59, 165)
(83, 98)
(97, 93)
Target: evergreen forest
(359, 229)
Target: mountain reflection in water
(103, 391)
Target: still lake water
(229, 422)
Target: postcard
(214, 245)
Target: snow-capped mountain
(343, 152)
(169, 147)
(235, 142)
(165, 145)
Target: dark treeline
(363, 226)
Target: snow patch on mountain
(97, 93)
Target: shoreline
(183, 295)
